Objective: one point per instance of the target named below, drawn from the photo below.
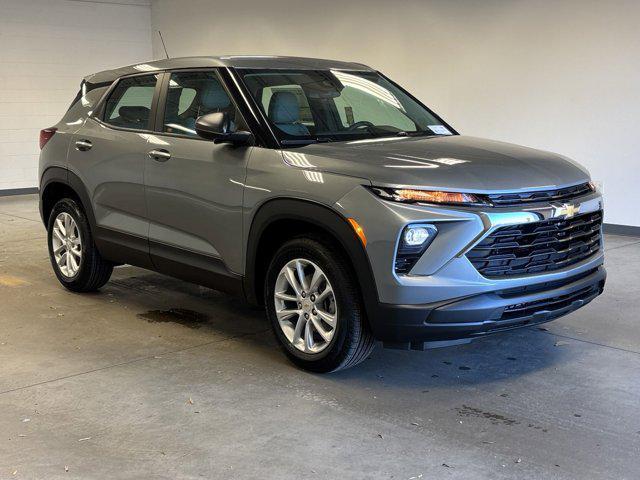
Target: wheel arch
(57, 183)
(280, 219)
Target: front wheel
(314, 307)
(74, 257)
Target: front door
(194, 188)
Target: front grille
(537, 247)
(566, 193)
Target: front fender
(321, 216)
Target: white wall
(46, 48)
(558, 75)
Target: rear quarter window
(83, 104)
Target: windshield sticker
(439, 129)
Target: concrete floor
(106, 385)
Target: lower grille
(550, 305)
(540, 287)
(538, 247)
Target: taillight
(45, 135)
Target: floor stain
(183, 316)
(11, 281)
(494, 418)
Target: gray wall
(561, 76)
(46, 47)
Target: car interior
(191, 95)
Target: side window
(129, 105)
(83, 104)
(193, 94)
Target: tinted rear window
(129, 105)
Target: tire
(92, 270)
(351, 340)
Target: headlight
(407, 195)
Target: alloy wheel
(305, 306)
(67, 245)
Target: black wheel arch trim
(64, 176)
(323, 217)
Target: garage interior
(153, 377)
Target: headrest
(284, 108)
(134, 114)
(214, 97)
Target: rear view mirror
(217, 126)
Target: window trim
(270, 139)
(253, 105)
(241, 97)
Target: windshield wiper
(305, 141)
(420, 133)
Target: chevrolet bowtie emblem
(566, 210)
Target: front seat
(284, 112)
(213, 98)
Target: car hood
(457, 163)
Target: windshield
(333, 105)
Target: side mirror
(217, 126)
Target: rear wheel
(314, 307)
(74, 257)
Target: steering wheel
(360, 124)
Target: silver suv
(323, 191)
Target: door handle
(161, 155)
(83, 145)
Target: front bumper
(444, 298)
(460, 320)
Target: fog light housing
(414, 240)
(415, 235)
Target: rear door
(108, 153)
(194, 188)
